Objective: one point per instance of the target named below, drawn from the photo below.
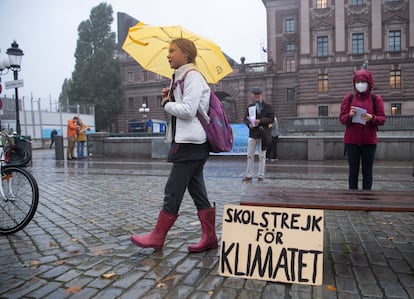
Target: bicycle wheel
(19, 197)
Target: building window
(289, 25)
(357, 2)
(357, 43)
(395, 79)
(290, 47)
(145, 101)
(159, 99)
(323, 110)
(130, 103)
(291, 94)
(322, 46)
(396, 109)
(321, 3)
(323, 83)
(144, 76)
(130, 77)
(290, 64)
(394, 40)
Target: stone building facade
(316, 46)
(313, 48)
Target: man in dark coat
(259, 119)
(52, 137)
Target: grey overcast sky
(46, 31)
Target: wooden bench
(329, 199)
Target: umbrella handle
(170, 88)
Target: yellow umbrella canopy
(149, 45)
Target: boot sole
(145, 245)
(215, 246)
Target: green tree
(97, 78)
(64, 95)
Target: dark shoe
(246, 179)
(208, 231)
(156, 238)
(260, 179)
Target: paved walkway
(89, 208)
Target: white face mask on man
(361, 86)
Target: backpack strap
(374, 103)
(350, 98)
(180, 82)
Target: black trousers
(364, 154)
(186, 175)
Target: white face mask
(361, 86)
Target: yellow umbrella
(149, 45)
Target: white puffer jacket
(196, 97)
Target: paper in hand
(252, 115)
(357, 117)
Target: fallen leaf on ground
(73, 290)
(35, 263)
(53, 244)
(108, 275)
(160, 285)
(99, 252)
(330, 288)
(169, 277)
(60, 262)
(73, 240)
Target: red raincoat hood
(364, 75)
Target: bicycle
(19, 192)
(17, 154)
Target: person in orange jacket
(71, 135)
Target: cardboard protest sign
(273, 244)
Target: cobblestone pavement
(89, 208)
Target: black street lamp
(15, 57)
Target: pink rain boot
(208, 226)
(156, 238)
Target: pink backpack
(218, 130)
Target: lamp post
(15, 57)
(365, 65)
(144, 109)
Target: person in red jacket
(361, 114)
